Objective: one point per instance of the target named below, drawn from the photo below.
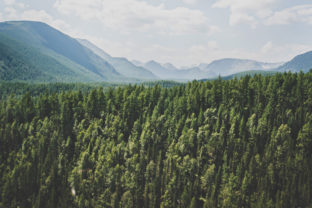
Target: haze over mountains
(122, 65)
(34, 51)
(222, 67)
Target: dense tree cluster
(35, 89)
(236, 143)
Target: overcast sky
(183, 32)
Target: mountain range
(222, 67)
(122, 65)
(37, 52)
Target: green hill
(51, 54)
(15, 66)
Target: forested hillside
(238, 143)
(20, 88)
(35, 52)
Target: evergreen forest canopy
(21, 88)
(238, 143)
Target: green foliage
(235, 143)
(15, 66)
(36, 52)
(20, 88)
(251, 73)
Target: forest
(243, 142)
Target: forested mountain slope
(21, 62)
(302, 62)
(236, 143)
(55, 55)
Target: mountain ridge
(121, 64)
(301, 62)
(51, 55)
(66, 53)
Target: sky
(182, 32)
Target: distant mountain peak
(61, 57)
(227, 66)
(121, 64)
(153, 62)
(170, 66)
(302, 62)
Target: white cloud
(190, 1)
(13, 3)
(134, 15)
(11, 13)
(257, 12)
(302, 13)
(246, 11)
(274, 53)
(8, 2)
(237, 18)
(267, 47)
(244, 5)
(43, 16)
(269, 52)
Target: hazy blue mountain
(157, 69)
(137, 63)
(301, 62)
(54, 53)
(170, 72)
(223, 67)
(170, 66)
(161, 71)
(230, 66)
(122, 65)
(202, 66)
(34, 51)
(192, 73)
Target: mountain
(222, 67)
(19, 61)
(202, 66)
(170, 66)
(191, 74)
(230, 66)
(137, 63)
(122, 65)
(49, 54)
(170, 72)
(159, 70)
(302, 62)
(162, 71)
(34, 51)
